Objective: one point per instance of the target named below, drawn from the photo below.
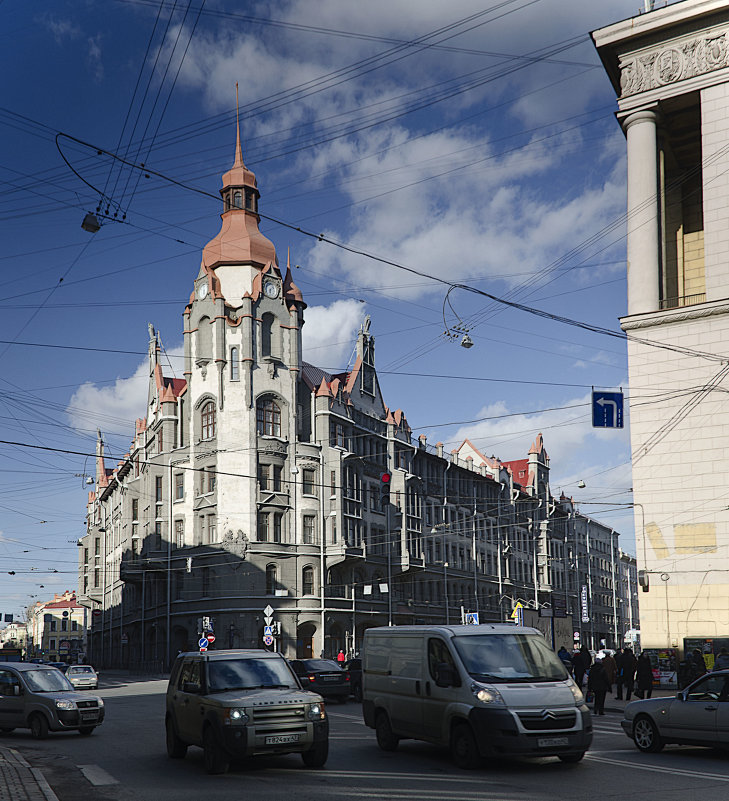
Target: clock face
(202, 291)
(271, 289)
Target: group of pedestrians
(622, 669)
(693, 666)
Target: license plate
(330, 678)
(282, 739)
(89, 716)
(549, 742)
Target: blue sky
(474, 142)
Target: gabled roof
(520, 471)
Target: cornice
(681, 315)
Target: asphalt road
(125, 760)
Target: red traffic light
(385, 478)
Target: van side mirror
(445, 675)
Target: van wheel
(216, 761)
(39, 726)
(176, 749)
(463, 747)
(317, 755)
(386, 739)
(86, 730)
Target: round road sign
(268, 639)
(210, 637)
(203, 642)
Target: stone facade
(669, 68)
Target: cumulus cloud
(329, 333)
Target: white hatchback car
(83, 677)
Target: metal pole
(615, 600)
(354, 621)
(475, 560)
(168, 640)
(389, 564)
(445, 592)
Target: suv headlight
(236, 717)
(316, 712)
(489, 695)
(64, 704)
(579, 698)
(101, 702)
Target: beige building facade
(670, 71)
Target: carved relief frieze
(674, 62)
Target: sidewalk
(19, 781)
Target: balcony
(685, 300)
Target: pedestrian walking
(699, 662)
(630, 665)
(341, 658)
(644, 677)
(598, 684)
(581, 661)
(686, 671)
(618, 657)
(722, 660)
(611, 668)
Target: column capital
(652, 115)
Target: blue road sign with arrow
(607, 409)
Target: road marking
(96, 775)
(659, 768)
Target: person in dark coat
(686, 671)
(611, 668)
(630, 665)
(700, 663)
(722, 660)
(644, 676)
(565, 658)
(598, 683)
(581, 661)
(618, 657)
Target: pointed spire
(238, 150)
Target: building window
(309, 485)
(212, 529)
(64, 624)
(135, 508)
(264, 471)
(237, 199)
(179, 533)
(262, 527)
(53, 625)
(52, 645)
(207, 420)
(307, 580)
(74, 625)
(333, 483)
(234, 365)
(97, 546)
(160, 446)
(208, 480)
(336, 435)
(277, 522)
(271, 579)
(268, 416)
(309, 530)
(267, 335)
(96, 577)
(179, 486)
(277, 478)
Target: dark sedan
(323, 676)
(697, 715)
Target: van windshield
(500, 658)
(47, 681)
(248, 674)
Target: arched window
(307, 580)
(234, 365)
(237, 199)
(207, 420)
(268, 417)
(267, 334)
(271, 579)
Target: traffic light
(385, 479)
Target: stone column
(643, 212)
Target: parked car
(42, 699)
(241, 703)
(354, 668)
(323, 676)
(697, 715)
(83, 677)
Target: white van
(484, 691)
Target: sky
(468, 142)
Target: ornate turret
(239, 240)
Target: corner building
(670, 70)
(254, 482)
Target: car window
(47, 681)
(321, 664)
(438, 653)
(80, 669)
(246, 674)
(709, 688)
(190, 673)
(8, 680)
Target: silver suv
(41, 698)
(241, 703)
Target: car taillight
(312, 678)
(346, 676)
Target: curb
(27, 778)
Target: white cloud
(329, 333)
(94, 58)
